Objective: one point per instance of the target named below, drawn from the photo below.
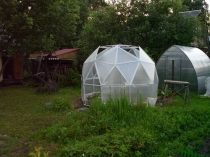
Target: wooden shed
(64, 58)
(13, 72)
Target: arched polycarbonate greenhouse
(184, 64)
(115, 69)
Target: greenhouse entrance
(172, 68)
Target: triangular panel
(156, 77)
(108, 56)
(141, 76)
(136, 52)
(115, 78)
(131, 51)
(92, 73)
(125, 57)
(128, 70)
(87, 67)
(150, 69)
(144, 57)
(92, 57)
(103, 70)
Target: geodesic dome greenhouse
(184, 63)
(115, 69)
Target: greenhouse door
(173, 68)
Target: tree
(195, 4)
(28, 26)
(100, 30)
(154, 26)
(160, 26)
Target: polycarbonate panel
(102, 52)
(115, 78)
(141, 76)
(137, 52)
(113, 92)
(201, 83)
(128, 70)
(97, 89)
(124, 57)
(89, 81)
(96, 81)
(109, 56)
(156, 80)
(87, 68)
(88, 89)
(149, 69)
(153, 90)
(104, 70)
(145, 58)
(140, 92)
(133, 52)
(92, 57)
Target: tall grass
(116, 128)
(119, 128)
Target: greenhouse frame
(184, 63)
(113, 70)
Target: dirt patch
(77, 103)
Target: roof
(54, 59)
(61, 52)
(56, 53)
(192, 13)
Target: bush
(72, 79)
(61, 104)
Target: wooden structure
(13, 72)
(62, 59)
(169, 84)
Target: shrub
(61, 104)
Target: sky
(208, 1)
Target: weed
(38, 153)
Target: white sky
(208, 2)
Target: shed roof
(56, 53)
(61, 52)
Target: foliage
(154, 26)
(195, 4)
(110, 31)
(23, 112)
(61, 104)
(73, 78)
(42, 25)
(38, 153)
(185, 153)
(119, 128)
(116, 128)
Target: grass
(116, 128)
(23, 112)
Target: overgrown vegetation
(116, 128)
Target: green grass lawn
(23, 112)
(112, 129)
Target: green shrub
(73, 78)
(61, 104)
